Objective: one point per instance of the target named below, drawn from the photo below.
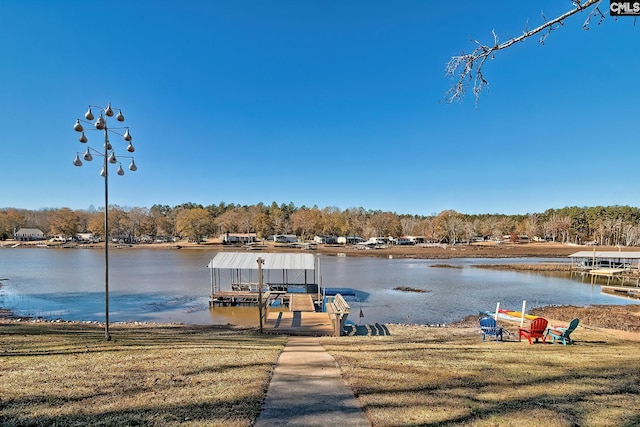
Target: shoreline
(436, 251)
(622, 320)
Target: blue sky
(327, 103)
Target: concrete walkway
(308, 390)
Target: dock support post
(260, 261)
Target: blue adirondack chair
(489, 327)
(562, 334)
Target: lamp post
(109, 157)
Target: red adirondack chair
(536, 330)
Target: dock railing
(338, 310)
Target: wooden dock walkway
(301, 318)
(301, 302)
(299, 323)
(617, 274)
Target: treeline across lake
(611, 225)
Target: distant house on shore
(402, 240)
(349, 240)
(283, 238)
(86, 237)
(228, 238)
(416, 239)
(25, 234)
(326, 240)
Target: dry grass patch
(66, 374)
(421, 376)
(527, 267)
(620, 317)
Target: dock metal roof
(248, 261)
(606, 254)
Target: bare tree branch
(466, 69)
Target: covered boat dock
(612, 265)
(288, 280)
(283, 272)
(590, 260)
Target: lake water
(174, 286)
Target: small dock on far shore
(614, 266)
(622, 291)
(619, 275)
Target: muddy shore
(473, 250)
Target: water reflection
(173, 286)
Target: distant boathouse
(618, 266)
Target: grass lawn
(67, 374)
(419, 376)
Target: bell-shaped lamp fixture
(77, 161)
(112, 158)
(120, 171)
(108, 111)
(132, 166)
(82, 138)
(87, 156)
(78, 126)
(130, 148)
(127, 135)
(88, 115)
(120, 116)
(103, 172)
